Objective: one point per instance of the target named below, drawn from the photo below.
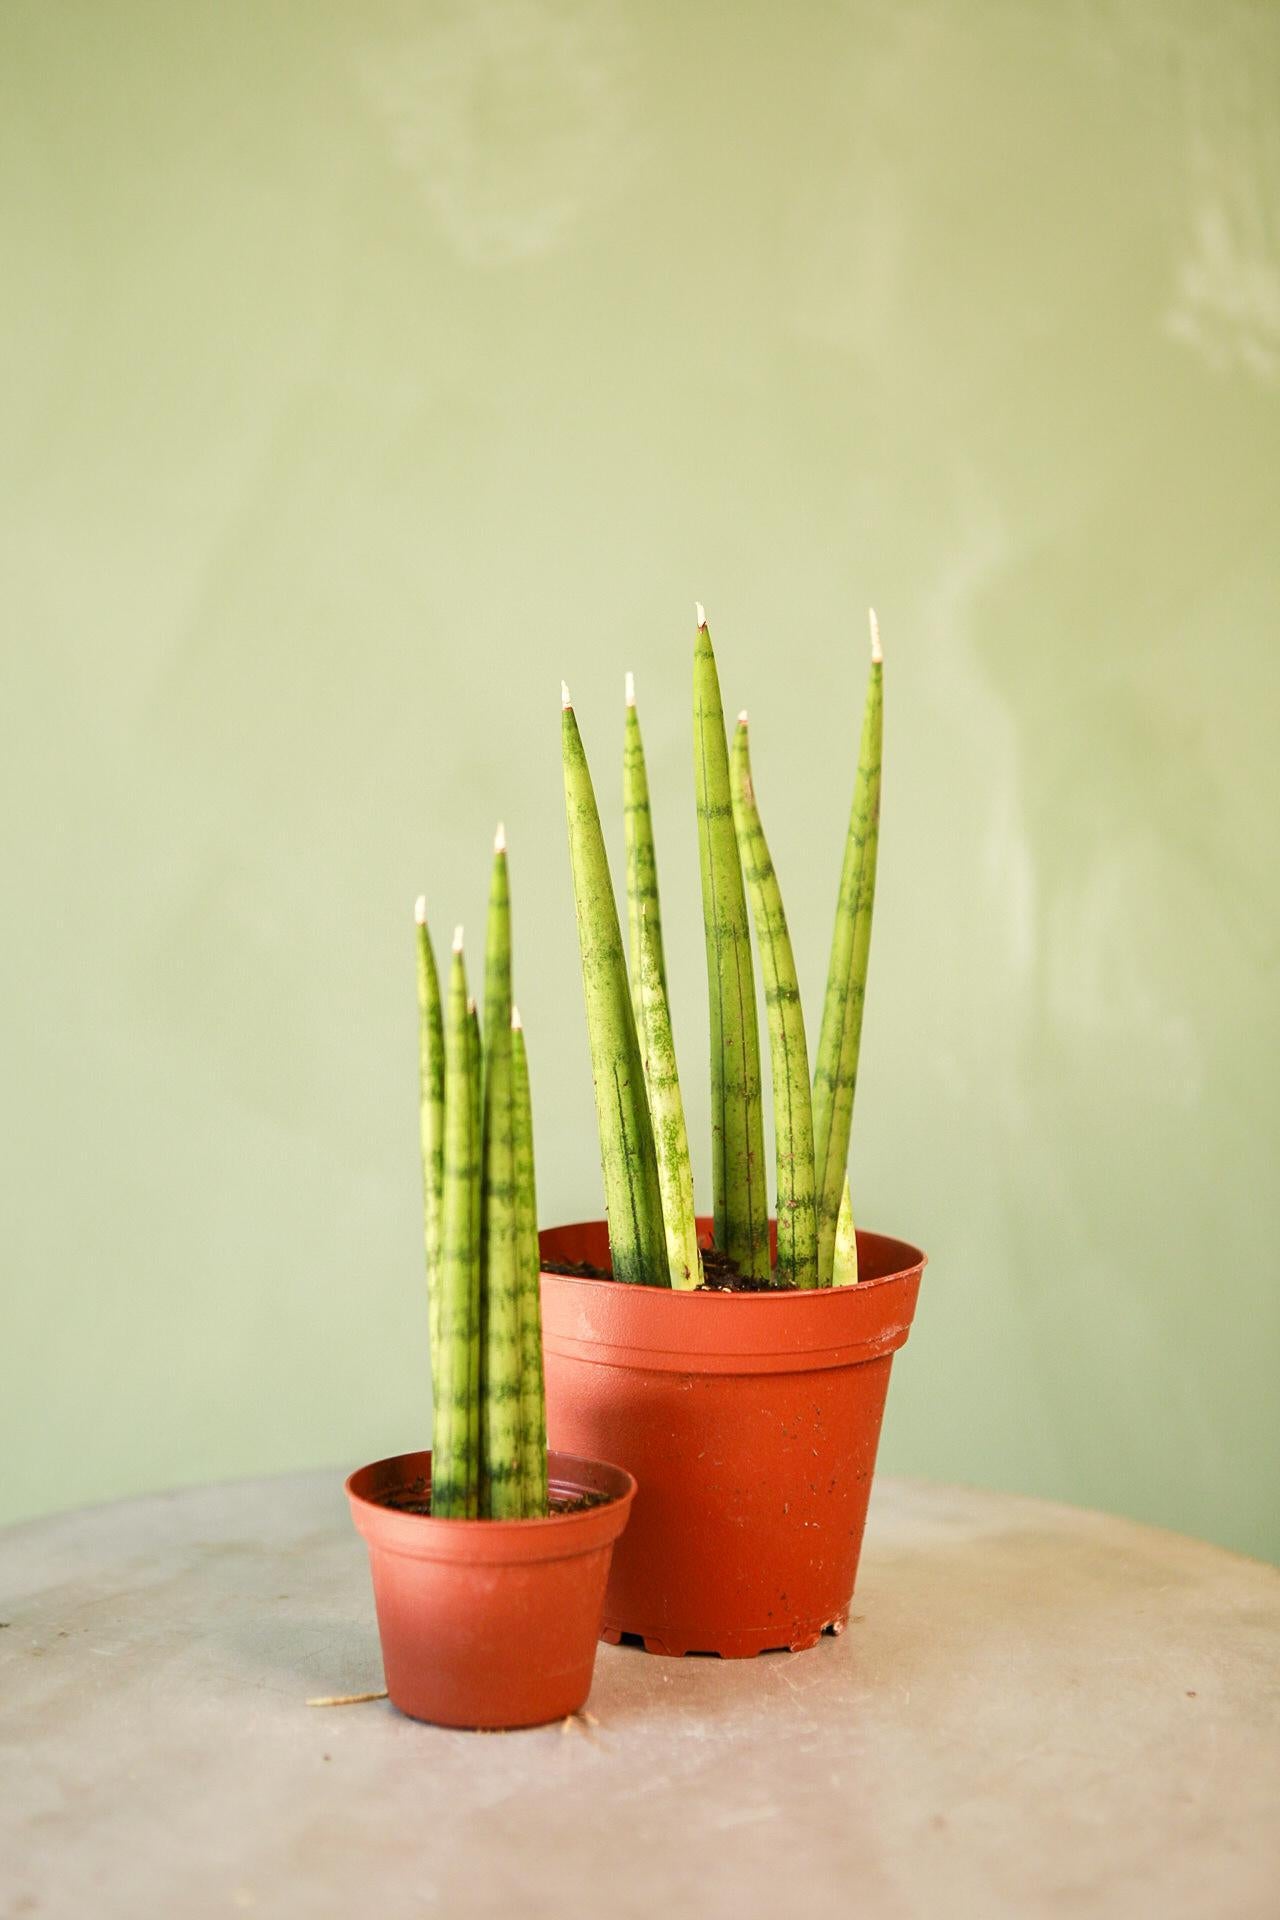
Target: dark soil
(576, 1269)
(578, 1502)
(415, 1498)
(719, 1274)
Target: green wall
(366, 369)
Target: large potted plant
(489, 1555)
(737, 1364)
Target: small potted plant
(489, 1555)
(738, 1365)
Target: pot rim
(916, 1261)
(550, 1536)
(670, 1330)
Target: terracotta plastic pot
(489, 1623)
(750, 1422)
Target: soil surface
(719, 1274)
(416, 1498)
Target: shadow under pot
(751, 1423)
(489, 1623)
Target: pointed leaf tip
(457, 939)
(877, 651)
(516, 1022)
(500, 839)
(701, 612)
(631, 689)
(742, 718)
(565, 701)
(420, 909)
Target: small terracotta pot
(751, 1423)
(489, 1623)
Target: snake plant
(644, 1151)
(788, 1050)
(488, 1442)
(627, 1152)
(741, 1204)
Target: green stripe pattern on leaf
(489, 1429)
(455, 1454)
(642, 863)
(533, 1411)
(836, 1074)
(671, 1139)
(797, 1260)
(500, 1481)
(741, 1207)
(475, 1351)
(431, 1114)
(627, 1156)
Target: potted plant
(489, 1555)
(737, 1365)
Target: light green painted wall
(367, 368)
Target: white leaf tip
(457, 939)
(877, 651)
(742, 718)
(420, 909)
(701, 612)
(500, 839)
(565, 699)
(517, 1024)
(631, 689)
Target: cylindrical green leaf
(739, 1187)
(431, 1115)
(642, 863)
(475, 1349)
(497, 952)
(454, 1464)
(845, 1268)
(836, 1074)
(628, 1160)
(667, 1110)
(788, 1049)
(533, 1406)
(500, 1478)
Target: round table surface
(1035, 1711)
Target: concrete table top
(1034, 1711)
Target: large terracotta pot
(489, 1623)
(750, 1422)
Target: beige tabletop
(1035, 1711)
